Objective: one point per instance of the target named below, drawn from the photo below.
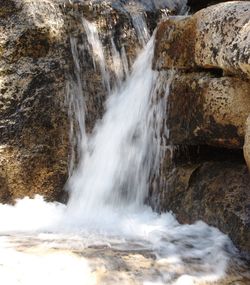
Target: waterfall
(111, 183)
(115, 165)
(116, 169)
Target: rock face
(216, 37)
(208, 118)
(39, 75)
(33, 121)
(216, 192)
(214, 110)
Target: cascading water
(109, 187)
(116, 172)
(111, 183)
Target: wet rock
(215, 192)
(215, 37)
(7, 8)
(205, 110)
(36, 69)
(106, 265)
(174, 45)
(208, 109)
(118, 31)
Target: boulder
(216, 192)
(205, 110)
(215, 37)
(206, 177)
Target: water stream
(106, 234)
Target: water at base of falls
(38, 241)
(106, 229)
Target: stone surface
(216, 192)
(36, 71)
(115, 20)
(33, 120)
(215, 37)
(207, 110)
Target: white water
(108, 189)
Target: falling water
(116, 172)
(109, 187)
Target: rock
(102, 264)
(7, 7)
(246, 147)
(215, 37)
(117, 21)
(36, 70)
(215, 192)
(33, 119)
(174, 45)
(208, 107)
(205, 110)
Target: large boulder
(205, 110)
(216, 192)
(215, 37)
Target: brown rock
(215, 192)
(36, 69)
(7, 7)
(174, 43)
(33, 121)
(207, 110)
(218, 38)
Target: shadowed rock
(216, 192)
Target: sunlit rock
(215, 37)
(38, 40)
(33, 120)
(207, 110)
